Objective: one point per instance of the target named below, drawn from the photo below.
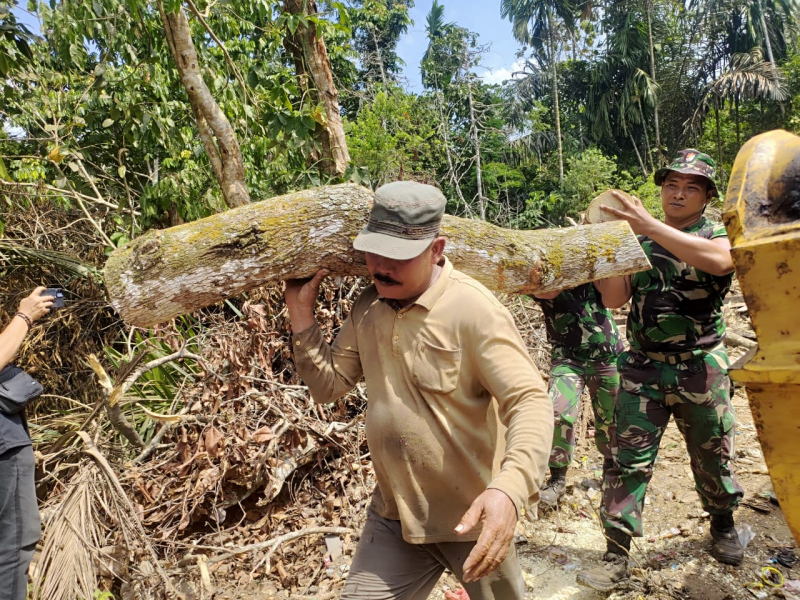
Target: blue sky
(480, 16)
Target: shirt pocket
(436, 369)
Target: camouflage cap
(690, 162)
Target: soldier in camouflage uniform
(677, 364)
(585, 344)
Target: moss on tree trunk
(167, 273)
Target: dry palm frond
(10, 250)
(67, 569)
(77, 536)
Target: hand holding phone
(58, 297)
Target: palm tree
(621, 94)
(651, 48)
(534, 22)
(756, 13)
(737, 26)
(446, 45)
(749, 77)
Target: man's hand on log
(634, 213)
(301, 297)
(499, 516)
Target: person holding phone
(19, 513)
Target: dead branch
(121, 389)
(145, 454)
(289, 466)
(261, 470)
(274, 543)
(734, 339)
(115, 416)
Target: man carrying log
(585, 343)
(677, 364)
(446, 370)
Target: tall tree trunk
(738, 127)
(475, 140)
(768, 42)
(574, 35)
(649, 150)
(719, 137)
(551, 36)
(638, 156)
(379, 55)
(649, 9)
(314, 72)
(169, 272)
(446, 137)
(216, 133)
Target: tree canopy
(95, 115)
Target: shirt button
(400, 316)
(396, 338)
(297, 343)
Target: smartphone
(58, 297)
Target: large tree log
(166, 273)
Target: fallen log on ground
(167, 273)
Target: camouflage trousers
(568, 377)
(697, 394)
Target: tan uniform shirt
(431, 370)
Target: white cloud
(492, 76)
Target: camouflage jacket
(580, 327)
(676, 307)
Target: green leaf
(292, 23)
(3, 173)
(121, 171)
(108, 122)
(73, 165)
(309, 123)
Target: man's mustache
(386, 279)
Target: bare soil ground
(678, 566)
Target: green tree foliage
(395, 138)
(95, 119)
(101, 113)
(377, 28)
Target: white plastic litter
(745, 534)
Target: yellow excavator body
(762, 216)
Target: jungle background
(212, 471)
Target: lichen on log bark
(170, 272)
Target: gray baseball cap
(404, 220)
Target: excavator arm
(762, 216)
